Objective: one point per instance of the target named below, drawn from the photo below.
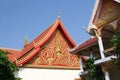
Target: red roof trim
(66, 34)
(43, 38)
(97, 10)
(53, 29)
(84, 58)
(28, 57)
(48, 35)
(14, 53)
(85, 44)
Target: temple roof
(14, 53)
(44, 36)
(104, 12)
(37, 43)
(85, 45)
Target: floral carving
(110, 11)
(55, 53)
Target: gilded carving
(109, 12)
(58, 49)
(55, 53)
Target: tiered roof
(21, 57)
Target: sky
(20, 18)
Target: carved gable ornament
(109, 12)
(55, 54)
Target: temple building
(54, 55)
(104, 22)
(47, 57)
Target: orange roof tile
(43, 38)
(38, 42)
(14, 53)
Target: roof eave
(85, 45)
(46, 38)
(93, 18)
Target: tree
(7, 68)
(116, 43)
(95, 71)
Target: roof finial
(59, 14)
(25, 41)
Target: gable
(50, 50)
(54, 54)
(110, 10)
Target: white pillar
(100, 43)
(81, 64)
(107, 77)
(106, 73)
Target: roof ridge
(40, 34)
(10, 49)
(44, 31)
(48, 28)
(66, 33)
(42, 38)
(35, 41)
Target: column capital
(98, 32)
(104, 69)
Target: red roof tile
(14, 54)
(84, 45)
(43, 37)
(31, 45)
(37, 43)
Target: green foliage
(116, 42)
(90, 65)
(7, 68)
(95, 71)
(98, 75)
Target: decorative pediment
(109, 12)
(54, 53)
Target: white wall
(47, 74)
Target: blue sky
(20, 18)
